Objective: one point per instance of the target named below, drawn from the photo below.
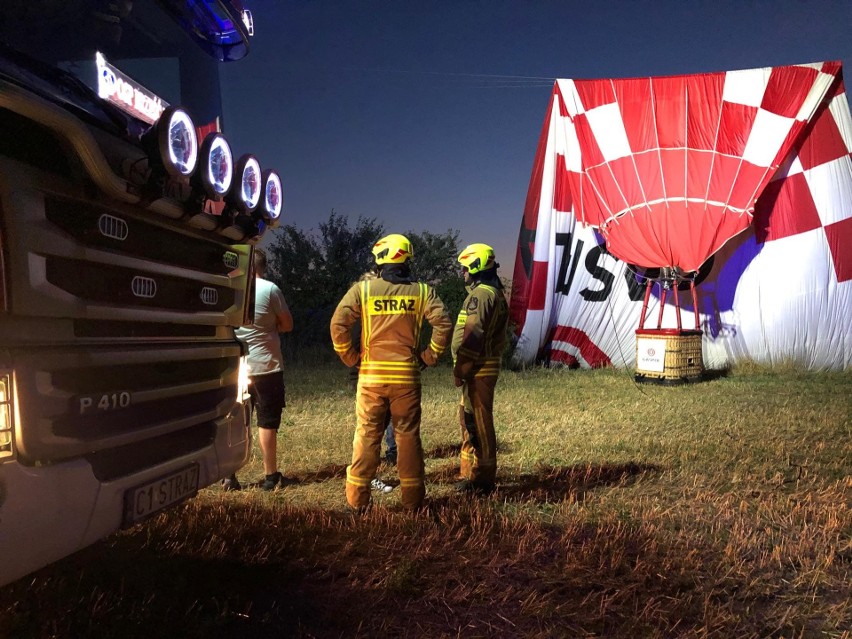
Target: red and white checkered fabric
(671, 168)
(811, 196)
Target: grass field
(721, 509)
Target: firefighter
(391, 310)
(479, 338)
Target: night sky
(426, 115)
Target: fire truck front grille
(85, 402)
(103, 425)
(110, 230)
(133, 330)
(126, 460)
(75, 258)
(127, 287)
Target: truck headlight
(272, 197)
(177, 142)
(217, 173)
(245, 193)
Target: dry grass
(722, 509)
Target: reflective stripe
(495, 316)
(342, 347)
(482, 462)
(406, 482)
(387, 363)
(378, 380)
(490, 367)
(420, 304)
(488, 373)
(394, 368)
(366, 320)
(354, 479)
(384, 380)
(436, 348)
(381, 373)
(470, 354)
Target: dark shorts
(269, 397)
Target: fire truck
(127, 225)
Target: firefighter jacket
(391, 316)
(479, 336)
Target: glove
(351, 358)
(458, 381)
(427, 357)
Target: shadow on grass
(547, 484)
(444, 451)
(220, 569)
(448, 451)
(711, 374)
(157, 594)
(551, 483)
(331, 471)
(569, 482)
(310, 574)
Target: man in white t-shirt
(266, 367)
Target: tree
(347, 252)
(435, 262)
(435, 255)
(315, 269)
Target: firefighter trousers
(479, 442)
(371, 405)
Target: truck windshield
(169, 48)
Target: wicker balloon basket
(668, 356)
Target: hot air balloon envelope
(669, 169)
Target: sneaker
(231, 483)
(380, 486)
(271, 482)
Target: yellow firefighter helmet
(477, 258)
(393, 249)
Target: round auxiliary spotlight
(217, 171)
(272, 196)
(245, 193)
(177, 143)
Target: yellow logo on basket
(392, 305)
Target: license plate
(146, 500)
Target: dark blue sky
(405, 111)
